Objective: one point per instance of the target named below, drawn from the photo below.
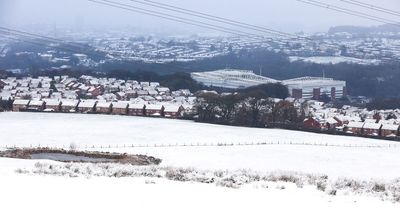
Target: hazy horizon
(285, 15)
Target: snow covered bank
(25, 129)
(48, 193)
(231, 179)
(334, 60)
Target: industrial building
(231, 78)
(315, 87)
(303, 87)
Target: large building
(315, 87)
(304, 87)
(231, 78)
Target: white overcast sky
(285, 15)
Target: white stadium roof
(313, 81)
(231, 78)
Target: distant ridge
(387, 28)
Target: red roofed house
(154, 110)
(390, 130)
(137, 109)
(20, 105)
(120, 108)
(173, 111)
(355, 127)
(312, 123)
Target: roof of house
(172, 108)
(375, 126)
(355, 124)
(103, 104)
(87, 104)
(36, 103)
(120, 104)
(69, 102)
(154, 107)
(370, 120)
(52, 102)
(21, 102)
(390, 127)
(332, 120)
(136, 106)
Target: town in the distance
(316, 104)
(154, 76)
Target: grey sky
(285, 15)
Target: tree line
(254, 107)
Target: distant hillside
(364, 30)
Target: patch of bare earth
(79, 156)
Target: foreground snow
(63, 192)
(47, 193)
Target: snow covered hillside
(337, 159)
(181, 144)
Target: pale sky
(284, 15)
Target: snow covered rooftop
(313, 81)
(70, 102)
(36, 103)
(172, 108)
(355, 124)
(52, 102)
(136, 106)
(87, 104)
(21, 102)
(372, 126)
(231, 78)
(390, 127)
(103, 104)
(154, 107)
(120, 104)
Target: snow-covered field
(334, 60)
(25, 129)
(335, 159)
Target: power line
(6, 34)
(350, 12)
(372, 7)
(124, 7)
(39, 36)
(36, 43)
(216, 18)
(62, 43)
(179, 19)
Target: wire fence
(218, 144)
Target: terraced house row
(101, 107)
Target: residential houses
(20, 105)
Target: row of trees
(245, 109)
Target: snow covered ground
(25, 129)
(49, 192)
(334, 60)
(360, 161)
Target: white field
(63, 193)
(334, 60)
(25, 129)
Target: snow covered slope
(360, 160)
(332, 155)
(25, 129)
